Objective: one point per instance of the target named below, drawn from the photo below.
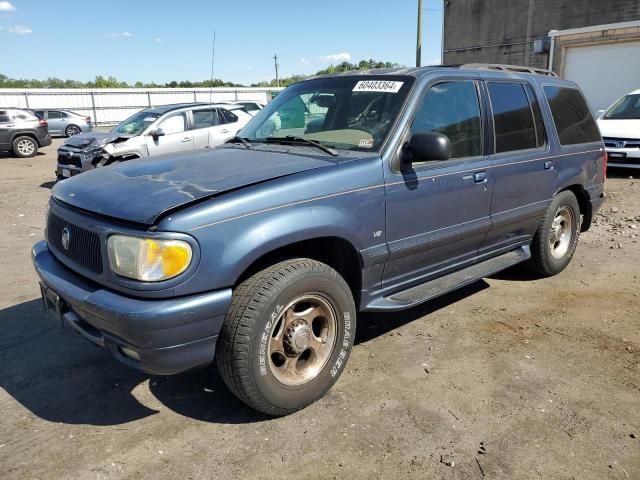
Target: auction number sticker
(377, 86)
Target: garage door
(604, 72)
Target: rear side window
(204, 118)
(571, 116)
(4, 116)
(513, 119)
(54, 114)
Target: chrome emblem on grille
(70, 154)
(66, 238)
(621, 144)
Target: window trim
(481, 106)
(492, 116)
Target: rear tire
(555, 240)
(72, 130)
(25, 147)
(287, 336)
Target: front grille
(83, 246)
(64, 159)
(612, 142)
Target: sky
(165, 40)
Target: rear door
(176, 138)
(525, 170)
(56, 121)
(226, 127)
(438, 212)
(202, 121)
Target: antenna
(213, 56)
(275, 62)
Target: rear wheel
(72, 130)
(555, 241)
(25, 147)
(287, 336)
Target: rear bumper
(166, 336)
(45, 142)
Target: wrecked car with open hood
(154, 131)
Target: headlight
(147, 259)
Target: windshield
(626, 108)
(345, 113)
(135, 124)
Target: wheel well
(584, 203)
(25, 134)
(336, 252)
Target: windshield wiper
(241, 140)
(293, 139)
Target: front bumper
(166, 336)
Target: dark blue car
(365, 191)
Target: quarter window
(513, 120)
(453, 109)
(571, 116)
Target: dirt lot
(512, 377)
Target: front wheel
(287, 336)
(555, 241)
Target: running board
(447, 283)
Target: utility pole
(213, 56)
(275, 62)
(419, 36)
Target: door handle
(548, 165)
(187, 139)
(224, 131)
(480, 177)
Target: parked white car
(154, 131)
(620, 129)
(250, 106)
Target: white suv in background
(154, 131)
(620, 129)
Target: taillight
(88, 119)
(606, 159)
(42, 121)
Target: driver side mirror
(425, 146)
(158, 132)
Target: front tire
(555, 240)
(287, 336)
(24, 147)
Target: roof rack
(508, 68)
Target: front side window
(571, 116)
(176, 123)
(136, 124)
(354, 112)
(627, 108)
(512, 117)
(453, 109)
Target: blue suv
(363, 191)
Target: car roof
(162, 109)
(475, 69)
(635, 92)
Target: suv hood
(94, 139)
(141, 191)
(620, 128)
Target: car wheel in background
(287, 336)
(25, 147)
(555, 241)
(72, 130)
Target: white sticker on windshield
(149, 119)
(377, 86)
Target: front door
(176, 137)
(438, 212)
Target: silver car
(65, 122)
(154, 131)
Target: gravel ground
(511, 377)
